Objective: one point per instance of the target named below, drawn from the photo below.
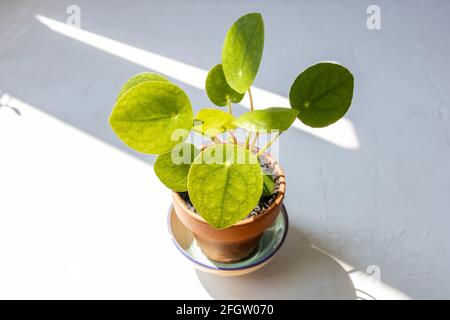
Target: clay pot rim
(278, 200)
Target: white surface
(81, 216)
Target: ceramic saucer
(270, 243)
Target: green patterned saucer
(270, 243)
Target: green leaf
(152, 117)
(218, 90)
(211, 122)
(225, 184)
(322, 94)
(268, 185)
(274, 118)
(172, 168)
(139, 78)
(242, 51)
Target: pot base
(224, 253)
(268, 244)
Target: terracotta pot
(241, 239)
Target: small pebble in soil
(264, 201)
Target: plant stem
(232, 136)
(247, 140)
(268, 144)
(230, 139)
(216, 140)
(251, 99)
(229, 107)
(254, 140)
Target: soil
(264, 201)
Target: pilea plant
(224, 180)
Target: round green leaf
(139, 78)
(268, 185)
(172, 168)
(274, 118)
(242, 51)
(211, 122)
(152, 117)
(225, 184)
(218, 90)
(322, 94)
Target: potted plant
(226, 192)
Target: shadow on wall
(298, 271)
